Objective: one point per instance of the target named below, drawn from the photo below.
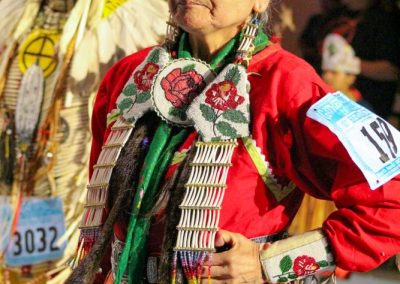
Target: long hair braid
(122, 188)
(176, 188)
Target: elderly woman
(204, 147)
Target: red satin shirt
(363, 232)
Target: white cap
(338, 55)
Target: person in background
(317, 28)
(340, 67)
(376, 40)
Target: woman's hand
(239, 264)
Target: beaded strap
(97, 194)
(201, 205)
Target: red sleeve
(365, 230)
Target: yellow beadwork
(39, 48)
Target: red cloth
(356, 94)
(363, 233)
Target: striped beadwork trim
(263, 167)
(245, 49)
(97, 194)
(200, 209)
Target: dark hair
(123, 184)
(266, 17)
(390, 6)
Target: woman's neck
(206, 46)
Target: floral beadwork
(177, 85)
(222, 99)
(186, 92)
(297, 257)
(134, 99)
(305, 265)
(302, 266)
(144, 78)
(181, 86)
(223, 96)
(222, 110)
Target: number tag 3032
(39, 229)
(372, 143)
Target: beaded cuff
(296, 258)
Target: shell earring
(246, 47)
(172, 34)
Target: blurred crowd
(355, 46)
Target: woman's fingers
(223, 238)
(224, 274)
(215, 272)
(238, 264)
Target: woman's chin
(194, 23)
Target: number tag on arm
(40, 226)
(371, 142)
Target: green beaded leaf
(154, 56)
(283, 280)
(332, 49)
(130, 90)
(143, 97)
(178, 112)
(233, 75)
(293, 276)
(113, 116)
(248, 88)
(200, 133)
(188, 68)
(327, 249)
(285, 264)
(225, 129)
(208, 112)
(131, 119)
(235, 116)
(323, 263)
(124, 104)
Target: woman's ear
(260, 5)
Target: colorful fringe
(192, 264)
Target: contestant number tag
(36, 239)
(371, 142)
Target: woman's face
(339, 81)
(208, 16)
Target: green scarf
(165, 143)
(227, 54)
